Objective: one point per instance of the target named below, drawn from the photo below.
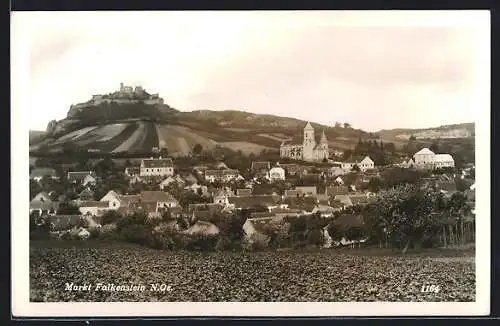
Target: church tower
(309, 143)
(323, 147)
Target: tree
(434, 147)
(407, 213)
(347, 125)
(390, 147)
(197, 149)
(110, 216)
(413, 138)
(355, 168)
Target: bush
(256, 242)
(202, 242)
(110, 217)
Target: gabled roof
(443, 158)
(306, 189)
(209, 207)
(156, 196)
(129, 199)
(42, 194)
(94, 203)
(86, 192)
(157, 163)
(424, 151)
(308, 126)
(252, 201)
(303, 203)
(344, 199)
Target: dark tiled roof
(156, 196)
(94, 203)
(44, 205)
(243, 192)
(252, 201)
(306, 189)
(305, 203)
(41, 172)
(337, 190)
(158, 163)
(221, 173)
(210, 207)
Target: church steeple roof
(323, 138)
(308, 126)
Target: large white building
(309, 150)
(157, 167)
(425, 158)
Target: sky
(374, 70)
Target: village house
(267, 201)
(427, 159)
(136, 179)
(112, 199)
(38, 173)
(86, 194)
(324, 210)
(221, 196)
(307, 191)
(93, 207)
(276, 173)
(290, 193)
(42, 204)
(171, 179)
(305, 204)
(287, 212)
(336, 170)
(225, 175)
(85, 178)
(202, 228)
(154, 203)
(366, 164)
(195, 188)
(343, 221)
(42, 197)
(345, 200)
(161, 167)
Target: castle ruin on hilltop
(125, 95)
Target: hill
(110, 127)
(463, 130)
(121, 125)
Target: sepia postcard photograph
(250, 163)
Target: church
(309, 150)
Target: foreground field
(326, 275)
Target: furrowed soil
(320, 275)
